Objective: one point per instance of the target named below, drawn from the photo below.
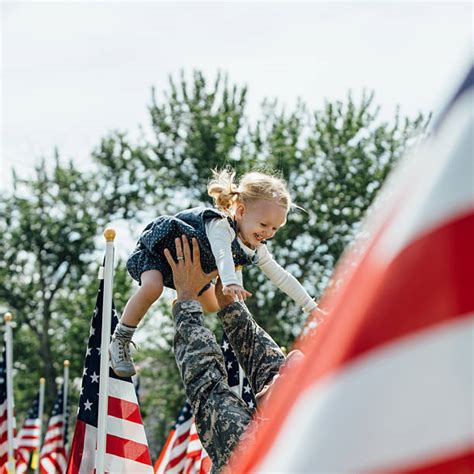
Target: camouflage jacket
(221, 416)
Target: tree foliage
(334, 159)
(50, 226)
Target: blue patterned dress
(161, 234)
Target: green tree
(50, 226)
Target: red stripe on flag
(194, 454)
(52, 440)
(206, 465)
(176, 460)
(181, 438)
(125, 410)
(59, 424)
(33, 437)
(371, 310)
(128, 449)
(77, 448)
(462, 463)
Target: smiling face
(259, 220)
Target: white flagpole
(40, 416)
(109, 235)
(10, 415)
(65, 399)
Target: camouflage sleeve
(257, 353)
(221, 416)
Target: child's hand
(236, 292)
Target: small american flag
(28, 440)
(126, 444)
(53, 459)
(173, 455)
(183, 452)
(3, 413)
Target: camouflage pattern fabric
(221, 416)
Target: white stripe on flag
(50, 467)
(115, 464)
(122, 389)
(28, 443)
(428, 207)
(394, 381)
(166, 458)
(126, 429)
(88, 456)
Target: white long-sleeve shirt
(221, 235)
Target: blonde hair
(253, 186)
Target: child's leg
(208, 300)
(119, 350)
(149, 291)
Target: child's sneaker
(120, 356)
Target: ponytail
(223, 189)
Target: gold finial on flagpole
(109, 234)
(42, 380)
(66, 363)
(7, 317)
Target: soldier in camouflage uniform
(221, 415)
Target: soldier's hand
(188, 275)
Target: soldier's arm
(221, 416)
(257, 353)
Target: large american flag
(126, 444)
(183, 452)
(53, 458)
(387, 383)
(28, 439)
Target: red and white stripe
(28, 440)
(387, 382)
(53, 459)
(126, 444)
(3, 434)
(4, 437)
(197, 459)
(173, 458)
(183, 452)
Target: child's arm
(284, 280)
(221, 235)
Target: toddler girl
(230, 235)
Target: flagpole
(65, 399)
(40, 417)
(9, 364)
(109, 235)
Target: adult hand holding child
(189, 279)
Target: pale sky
(72, 71)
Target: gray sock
(125, 331)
